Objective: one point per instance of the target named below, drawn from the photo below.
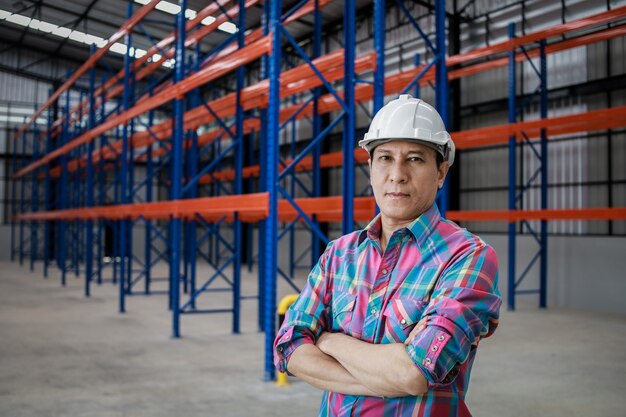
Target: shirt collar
(420, 228)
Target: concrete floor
(64, 355)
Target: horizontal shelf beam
(228, 64)
(512, 216)
(119, 34)
(249, 208)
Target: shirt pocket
(401, 316)
(342, 310)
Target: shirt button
(287, 337)
(434, 348)
(440, 338)
(374, 311)
(428, 361)
(403, 321)
(280, 348)
(384, 271)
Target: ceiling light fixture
(171, 8)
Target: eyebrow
(411, 152)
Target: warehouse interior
(170, 171)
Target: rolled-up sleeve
(306, 318)
(464, 307)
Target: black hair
(439, 159)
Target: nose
(398, 173)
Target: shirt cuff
(287, 341)
(431, 354)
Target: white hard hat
(408, 118)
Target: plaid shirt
(430, 269)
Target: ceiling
(102, 18)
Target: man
(390, 318)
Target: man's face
(405, 179)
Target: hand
(324, 341)
(421, 325)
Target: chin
(399, 215)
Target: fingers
(419, 327)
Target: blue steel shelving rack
(517, 192)
(269, 167)
(187, 187)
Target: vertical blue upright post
(417, 62)
(23, 196)
(379, 47)
(63, 195)
(317, 129)
(191, 163)
(101, 185)
(349, 28)
(271, 176)
(13, 194)
(34, 198)
(47, 193)
(130, 157)
(177, 170)
(265, 62)
(90, 180)
(543, 278)
(441, 84)
(78, 226)
(124, 186)
(238, 186)
(512, 170)
(149, 181)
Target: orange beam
(211, 72)
(615, 213)
(255, 207)
(156, 49)
(520, 57)
(194, 37)
(91, 61)
(327, 209)
(293, 81)
(590, 21)
(589, 121)
(582, 122)
(250, 207)
(393, 83)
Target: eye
(416, 159)
(384, 158)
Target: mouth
(396, 196)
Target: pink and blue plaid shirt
(430, 269)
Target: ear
(369, 163)
(441, 173)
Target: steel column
(271, 176)
(441, 83)
(349, 28)
(90, 181)
(124, 186)
(379, 47)
(238, 186)
(543, 273)
(317, 129)
(63, 197)
(48, 195)
(177, 167)
(512, 171)
(34, 197)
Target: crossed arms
(343, 364)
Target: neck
(388, 226)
